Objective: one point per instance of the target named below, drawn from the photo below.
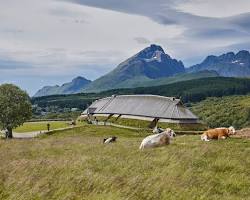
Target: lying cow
(157, 130)
(109, 140)
(217, 133)
(158, 140)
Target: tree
(15, 108)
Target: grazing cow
(158, 140)
(217, 133)
(109, 140)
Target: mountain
(229, 64)
(153, 67)
(149, 64)
(173, 79)
(75, 86)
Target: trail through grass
(74, 164)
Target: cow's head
(170, 132)
(231, 130)
(114, 138)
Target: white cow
(158, 140)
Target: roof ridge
(149, 95)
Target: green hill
(225, 111)
(143, 81)
(179, 78)
(146, 82)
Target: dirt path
(28, 134)
(33, 134)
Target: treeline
(194, 90)
(80, 101)
(189, 91)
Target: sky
(49, 42)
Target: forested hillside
(225, 111)
(189, 91)
(66, 101)
(193, 90)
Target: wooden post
(118, 117)
(105, 121)
(153, 123)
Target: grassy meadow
(74, 164)
(41, 126)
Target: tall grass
(74, 164)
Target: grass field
(74, 164)
(40, 126)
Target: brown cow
(218, 133)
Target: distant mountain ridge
(75, 86)
(150, 63)
(152, 67)
(228, 65)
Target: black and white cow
(109, 140)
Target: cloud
(13, 65)
(60, 39)
(142, 40)
(185, 13)
(242, 21)
(215, 8)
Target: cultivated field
(74, 164)
(40, 126)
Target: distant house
(144, 107)
(74, 109)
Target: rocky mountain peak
(228, 64)
(153, 51)
(243, 54)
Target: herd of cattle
(163, 137)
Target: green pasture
(74, 164)
(41, 126)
